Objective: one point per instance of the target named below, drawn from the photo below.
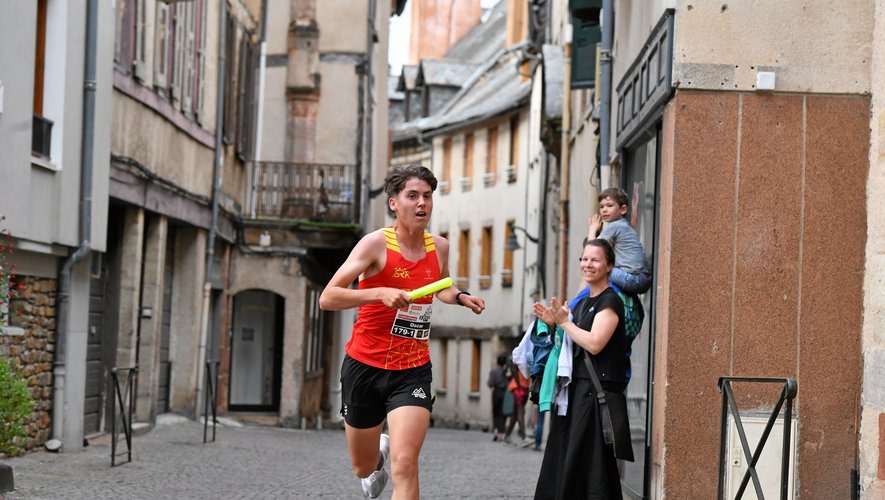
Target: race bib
(412, 322)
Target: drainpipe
(371, 39)
(85, 226)
(259, 118)
(216, 189)
(564, 159)
(605, 93)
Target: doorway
(256, 351)
(640, 181)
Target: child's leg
(629, 282)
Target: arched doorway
(256, 351)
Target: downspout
(216, 189)
(605, 93)
(259, 116)
(371, 38)
(564, 172)
(85, 225)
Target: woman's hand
(542, 312)
(558, 311)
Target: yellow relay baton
(431, 288)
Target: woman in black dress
(577, 462)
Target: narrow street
(171, 461)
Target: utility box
(768, 468)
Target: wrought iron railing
(210, 402)
(788, 393)
(311, 191)
(125, 405)
(41, 137)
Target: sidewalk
(171, 461)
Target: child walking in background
(630, 273)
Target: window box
(507, 278)
(485, 282)
(462, 282)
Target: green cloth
(548, 382)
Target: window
(514, 148)
(462, 280)
(491, 156)
(246, 82)
(485, 263)
(162, 47)
(507, 267)
(179, 58)
(230, 92)
(467, 180)
(139, 64)
(474, 365)
(447, 166)
(41, 132)
(586, 36)
(180, 22)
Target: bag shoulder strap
(608, 432)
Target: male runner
(386, 371)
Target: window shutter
(140, 63)
(178, 60)
(161, 56)
(199, 36)
(586, 35)
(190, 62)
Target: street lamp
(512, 244)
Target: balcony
(41, 137)
(305, 191)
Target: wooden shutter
(161, 47)
(586, 34)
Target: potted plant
(16, 404)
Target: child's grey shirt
(629, 254)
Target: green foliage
(16, 404)
(15, 408)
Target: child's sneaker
(375, 483)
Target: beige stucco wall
(181, 160)
(872, 432)
(343, 29)
(336, 121)
(826, 49)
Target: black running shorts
(368, 394)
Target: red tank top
(396, 339)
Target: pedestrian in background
(518, 386)
(498, 383)
(386, 372)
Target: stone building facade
(30, 343)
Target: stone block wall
(30, 344)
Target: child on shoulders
(630, 273)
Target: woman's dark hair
(398, 176)
(502, 360)
(605, 246)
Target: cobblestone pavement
(171, 461)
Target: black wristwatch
(458, 297)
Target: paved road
(171, 461)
